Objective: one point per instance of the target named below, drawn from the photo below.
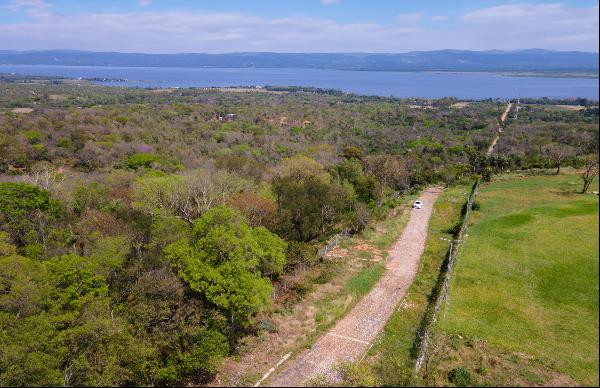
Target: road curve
(352, 336)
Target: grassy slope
(526, 281)
(391, 359)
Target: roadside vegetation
(330, 291)
(391, 360)
(148, 236)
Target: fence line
(335, 240)
(440, 292)
(441, 288)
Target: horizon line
(305, 52)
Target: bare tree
(590, 171)
(186, 196)
(389, 170)
(558, 153)
(44, 175)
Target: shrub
(136, 161)
(454, 230)
(356, 375)
(301, 253)
(460, 377)
(33, 137)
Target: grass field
(524, 295)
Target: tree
(351, 170)
(558, 153)
(590, 171)
(390, 170)
(302, 167)
(308, 207)
(24, 210)
(351, 152)
(44, 175)
(74, 281)
(185, 196)
(259, 211)
(226, 261)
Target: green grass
(392, 227)
(332, 307)
(391, 358)
(362, 282)
(526, 279)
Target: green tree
(74, 281)
(308, 207)
(224, 261)
(24, 211)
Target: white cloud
(536, 25)
(144, 3)
(438, 18)
(409, 18)
(327, 2)
(506, 27)
(32, 7)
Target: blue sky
(297, 25)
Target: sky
(390, 26)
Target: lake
(380, 83)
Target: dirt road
(352, 337)
(499, 129)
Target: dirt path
(352, 337)
(499, 129)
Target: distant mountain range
(532, 60)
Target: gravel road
(352, 337)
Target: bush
(301, 253)
(355, 375)
(454, 230)
(460, 377)
(33, 137)
(359, 218)
(143, 160)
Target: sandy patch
(22, 110)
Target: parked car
(417, 205)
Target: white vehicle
(417, 205)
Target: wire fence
(441, 289)
(335, 240)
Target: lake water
(397, 84)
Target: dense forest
(144, 232)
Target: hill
(532, 60)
